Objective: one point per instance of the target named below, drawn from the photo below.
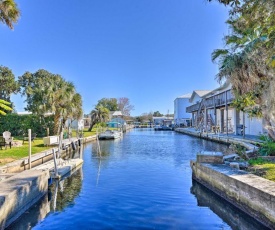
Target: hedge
(19, 124)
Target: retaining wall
(19, 192)
(252, 194)
(38, 158)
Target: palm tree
(47, 92)
(248, 63)
(9, 13)
(65, 102)
(99, 114)
(4, 105)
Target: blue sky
(150, 51)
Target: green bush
(240, 150)
(267, 148)
(19, 124)
(258, 161)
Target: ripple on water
(142, 181)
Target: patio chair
(26, 137)
(2, 142)
(8, 138)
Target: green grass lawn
(263, 168)
(15, 153)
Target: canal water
(142, 181)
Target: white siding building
(180, 114)
(213, 111)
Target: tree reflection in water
(227, 212)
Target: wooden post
(30, 147)
(48, 132)
(243, 124)
(55, 164)
(226, 108)
(60, 144)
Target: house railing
(218, 100)
(192, 108)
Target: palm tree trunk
(56, 123)
(268, 126)
(91, 126)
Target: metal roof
(188, 95)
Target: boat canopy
(114, 124)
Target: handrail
(213, 101)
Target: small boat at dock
(110, 134)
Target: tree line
(45, 92)
(101, 112)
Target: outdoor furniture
(50, 140)
(2, 142)
(8, 138)
(215, 129)
(26, 137)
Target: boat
(110, 134)
(163, 128)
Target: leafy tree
(47, 92)
(9, 13)
(248, 61)
(8, 83)
(108, 103)
(157, 114)
(124, 106)
(4, 106)
(228, 2)
(99, 114)
(139, 119)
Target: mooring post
(55, 163)
(30, 147)
(60, 144)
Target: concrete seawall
(19, 192)
(20, 188)
(250, 145)
(252, 194)
(38, 158)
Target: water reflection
(61, 195)
(64, 192)
(235, 218)
(30, 218)
(141, 181)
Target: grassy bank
(15, 153)
(263, 168)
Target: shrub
(267, 148)
(19, 124)
(258, 161)
(240, 150)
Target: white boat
(109, 134)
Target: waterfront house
(163, 121)
(181, 117)
(213, 112)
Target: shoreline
(252, 194)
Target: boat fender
(73, 145)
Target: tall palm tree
(99, 114)
(4, 105)
(65, 102)
(9, 13)
(249, 61)
(47, 92)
